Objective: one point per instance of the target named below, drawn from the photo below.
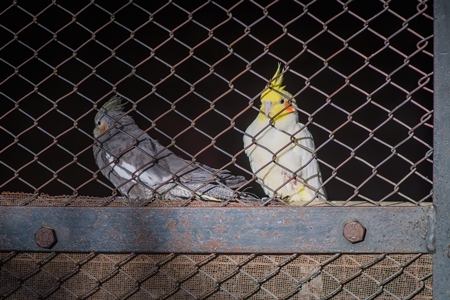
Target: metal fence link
(191, 75)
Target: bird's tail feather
(209, 192)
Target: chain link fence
(192, 74)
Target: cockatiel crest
(275, 83)
(104, 118)
(280, 149)
(276, 102)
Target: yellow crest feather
(275, 83)
(277, 79)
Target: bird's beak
(268, 105)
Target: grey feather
(139, 167)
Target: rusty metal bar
(441, 167)
(212, 229)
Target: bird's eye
(282, 101)
(99, 123)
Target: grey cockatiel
(139, 167)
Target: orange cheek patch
(289, 108)
(102, 127)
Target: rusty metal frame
(214, 229)
(259, 229)
(441, 187)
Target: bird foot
(289, 179)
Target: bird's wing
(203, 173)
(162, 166)
(120, 177)
(132, 156)
(250, 133)
(305, 150)
(129, 159)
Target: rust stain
(173, 227)
(113, 232)
(287, 223)
(180, 242)
(141, 234)
(164, 211)
(221, 228)
(213, 245)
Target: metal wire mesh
(193, 72)
(216, 276)
(361, 73)
(122, 276)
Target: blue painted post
(441, 258)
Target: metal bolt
(354, 232)
(45, 237)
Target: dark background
(193, 72)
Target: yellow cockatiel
(281, 150)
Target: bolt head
(354, 232)
(45, 237)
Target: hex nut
(354, 232)
(45, 237)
